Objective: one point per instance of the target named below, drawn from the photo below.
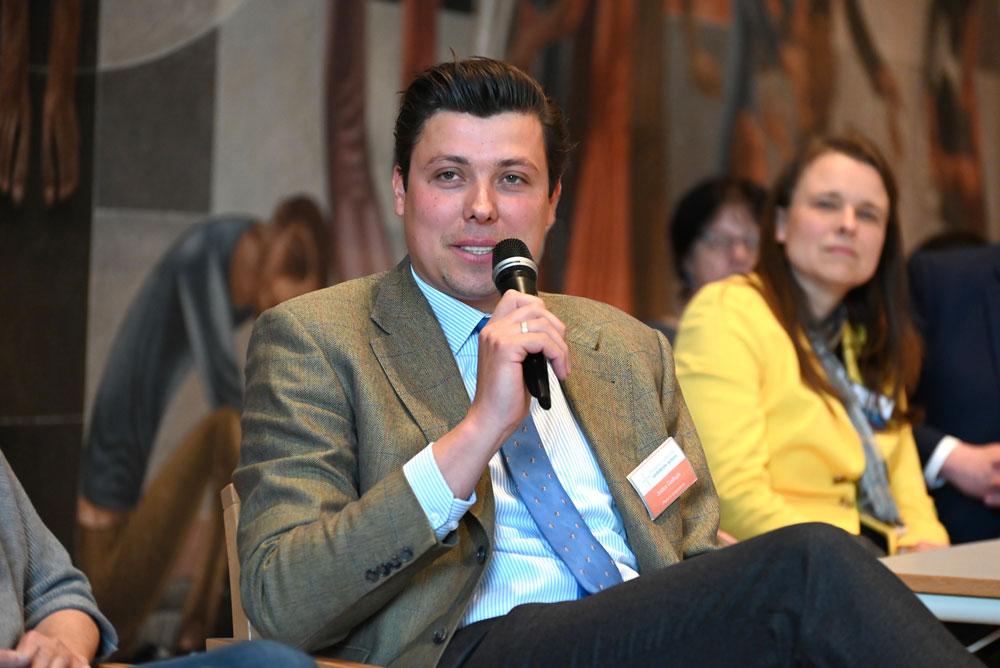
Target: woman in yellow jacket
(795, 375)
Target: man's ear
(398, 190)
(780, 224)
(553, 205)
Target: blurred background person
(796, 374)
(956, 301)
(713, 232)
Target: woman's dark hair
(482, 87)
(697, 209)
(890, 355)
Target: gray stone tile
(269, 139)
(154, 131)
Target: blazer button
(846, 503)
(371, 575)
(481, 554)
(405, 554)
(440, 635)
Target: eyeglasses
(728, 243)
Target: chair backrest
(242, 630)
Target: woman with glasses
(796, 374)
(713, 233)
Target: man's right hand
(975, 470)
(501, 396)
(501, 400)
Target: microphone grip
(536, 378)
(521, 276)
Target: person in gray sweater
(47, 612)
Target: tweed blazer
(344, 386)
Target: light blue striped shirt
(524, 568)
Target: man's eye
(827, 204)
(447, 175)
(513, 179)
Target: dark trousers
(802, 595)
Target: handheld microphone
(513, 269)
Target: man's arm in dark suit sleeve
(928, 438)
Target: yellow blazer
(779, 453)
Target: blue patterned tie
(553, 511)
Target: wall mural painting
(219, 275)
(59, 158)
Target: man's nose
(481, 204)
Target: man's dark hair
(951, 239)
(482, 87)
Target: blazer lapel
(418, 363)
(414, 355)
(596, 400)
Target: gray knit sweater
(36, 576)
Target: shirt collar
(457, 320)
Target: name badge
(877, 407)
(662, 477)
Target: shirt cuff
(442, 509)
(932, 471)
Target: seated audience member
(795, 374)
(47, 613)
(48, 616)
(956, 299)
(381, 522)
(217, 276)
(714, 232)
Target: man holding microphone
(407, 502)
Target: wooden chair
(242, 629)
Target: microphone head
(509, 248)
(511, 253)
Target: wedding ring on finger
(524, 326)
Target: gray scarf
(874, 495)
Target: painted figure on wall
(60, 146)
(950, 56)
(217, 276)
(778, 42)
(812, 66)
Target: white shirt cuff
(932, 471)
(442, 509)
